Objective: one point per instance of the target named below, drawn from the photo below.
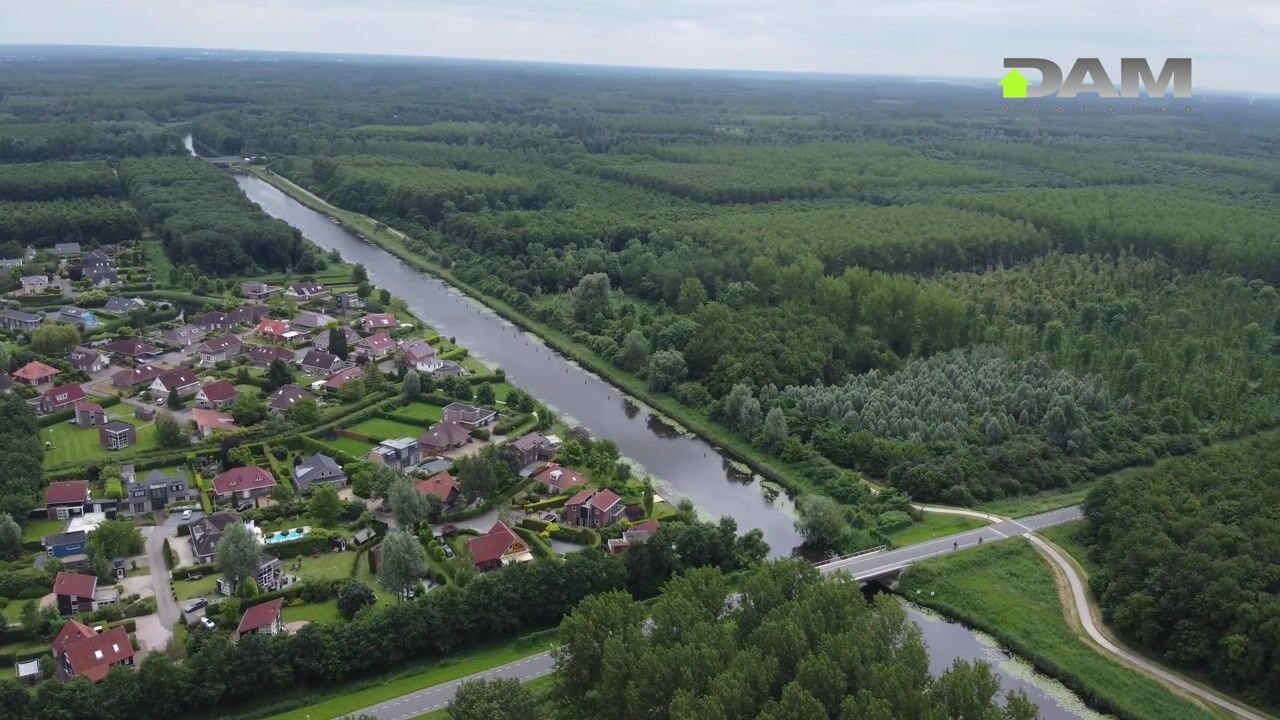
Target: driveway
(151, 633)
(166, 607)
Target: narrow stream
(682, 465)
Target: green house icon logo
(1014, 84)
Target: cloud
(1229, 42)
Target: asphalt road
(863, 566)
(166, 607)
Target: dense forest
(1189, 551)
(83, 220)
(54, 180)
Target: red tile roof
(93, 656)
(35, 371)
(179, 378)
(272, 327)
(130, 377)
(219, 390)
(260, 616)
(337, 380)
(491, 547)
(249, 477)
(560, 477)
(649, 526)
(377, 341)
(605, 499)
(378, 320)
(61, 492)
(131, 347)
(63, 394)
(75, 584)
(442, 486)
(213, 419)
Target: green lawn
(1007, 590)
(321, 612)
(1038, 503)
(460, 664)
(13, 611)
(934, 525)
(1070, 537)
(72, 445)
(355, 448)
(157, 260)
(502, 390)
(424, 412)
(187, 589)
(383, 429)
(36, 529)
(328, 566)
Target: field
(1008, 591)
(384, 429)
(321, 612)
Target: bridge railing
(850, 556)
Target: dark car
(194, 604)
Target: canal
(682, 465)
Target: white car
(207, 623)
(161, 401)
(186, 514)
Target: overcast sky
(1233, 43)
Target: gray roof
(317, 467)
(63, 538)
(120, 306)
(21, 316)
(66, 248)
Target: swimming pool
(280, 536)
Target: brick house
(469, 416)
(315, 362)
(75, 592)
(136, 378)
(65, 498)
(557, 478)
(36, 373)
(500, 546)
(262, 619)
(80, 652)
(243, 483)
(182, 379)
(378, 321)
(216, 395)
(133, 349)
(529, 448)
(442, 486)
(594, 509)
(376, 346)
(444, 436)
(62, 397)
(264, 355)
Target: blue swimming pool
(280, 536)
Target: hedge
(539, 546)
(315, 541)
(555, 502)
(581, 536)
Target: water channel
(682, 465)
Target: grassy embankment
(1008, 591)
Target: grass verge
(934, 525)
(1008, 591)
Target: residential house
(75, 593)
(65, 498)
(10, 263)
(117, 435)
(446, 369)
(207, 531)
(157, 492)
(444, 436)
(441, 486)
(216, 395)
(257, 291)
(123, 306)
(308, 321)
(61, 397)
(79, 651)
(558, 478)
(264, 355)
(376, 346)
(347, 303)
(378, 321)
(100, 277)
(19, 320)
(399, 453)
(306, 291)
(184, 337)
(210, 421)
(34, 284)
(214, 321)
(111, 250)
(342, 377)
(65, 544)
(216, 350)
(285, 396)
(89, 414)
(181, 379)
(469, 416)
(248, 314)
(637, 534)
(500, 546)
(321, 340)
(88, 361)
(594, 508)
(269, 577)
(136, 378)
(314, 362)
(145, 413)
(243, 483)
(73, 315)
(135, 349)
(95, 258)
(276, 331)
(362, 536)
(419, 355)
(530, 448)
(262, 619)
(319, 469)
(36, 373)
(67, 249)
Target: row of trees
(21, 457)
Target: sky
(1232, 43)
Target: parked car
(161, 401)
(207, 623)
(244, 505)
(186, 514)
(448, 551)
(195, 604)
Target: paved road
(166, 607)
(864, 567)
